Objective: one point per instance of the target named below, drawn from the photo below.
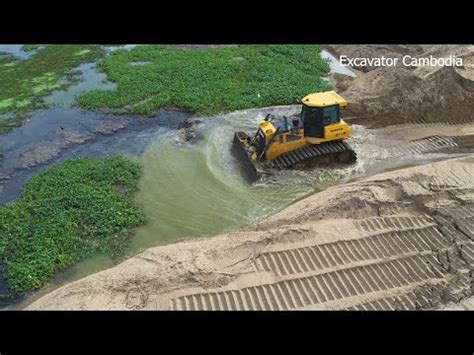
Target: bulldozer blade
(246, 164)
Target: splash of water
(194, 189)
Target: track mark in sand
(463, 217)
(466, 141)
(319, 258)
(312, 290)
(429, 144)
(427, 295)
(436, 143)
(394, 265)
(378, 224)
(417, 124)
(407, 301)
(458, 121)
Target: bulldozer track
(331, 255)
(464, 219)
(422, 124)
(377, 224)
(389, 266)
(428, 144)
(312, 290)
(458, 121)
(415, 299)
(311, 151)
(412, 300)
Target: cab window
(330, 114)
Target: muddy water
(197, 189)
(193, 189)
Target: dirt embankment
(398, 240)
(384, 96)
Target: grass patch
(70, 211)
(82, 52)
(24, 83)
(7, 60)
(30, 47)
(209, 82)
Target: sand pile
(374, 51)
(393, 95)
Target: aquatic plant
(208, 81)
(70, 211)
(29, 47)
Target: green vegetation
(6, 59)
(23, 83)
(30, 47)
(70, 211)
(208, 82)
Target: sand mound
(375, 51)
(393, 95)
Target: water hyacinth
(68, 212)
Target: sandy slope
(398, 240)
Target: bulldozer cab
(320, 110)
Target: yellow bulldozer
(316, 136)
